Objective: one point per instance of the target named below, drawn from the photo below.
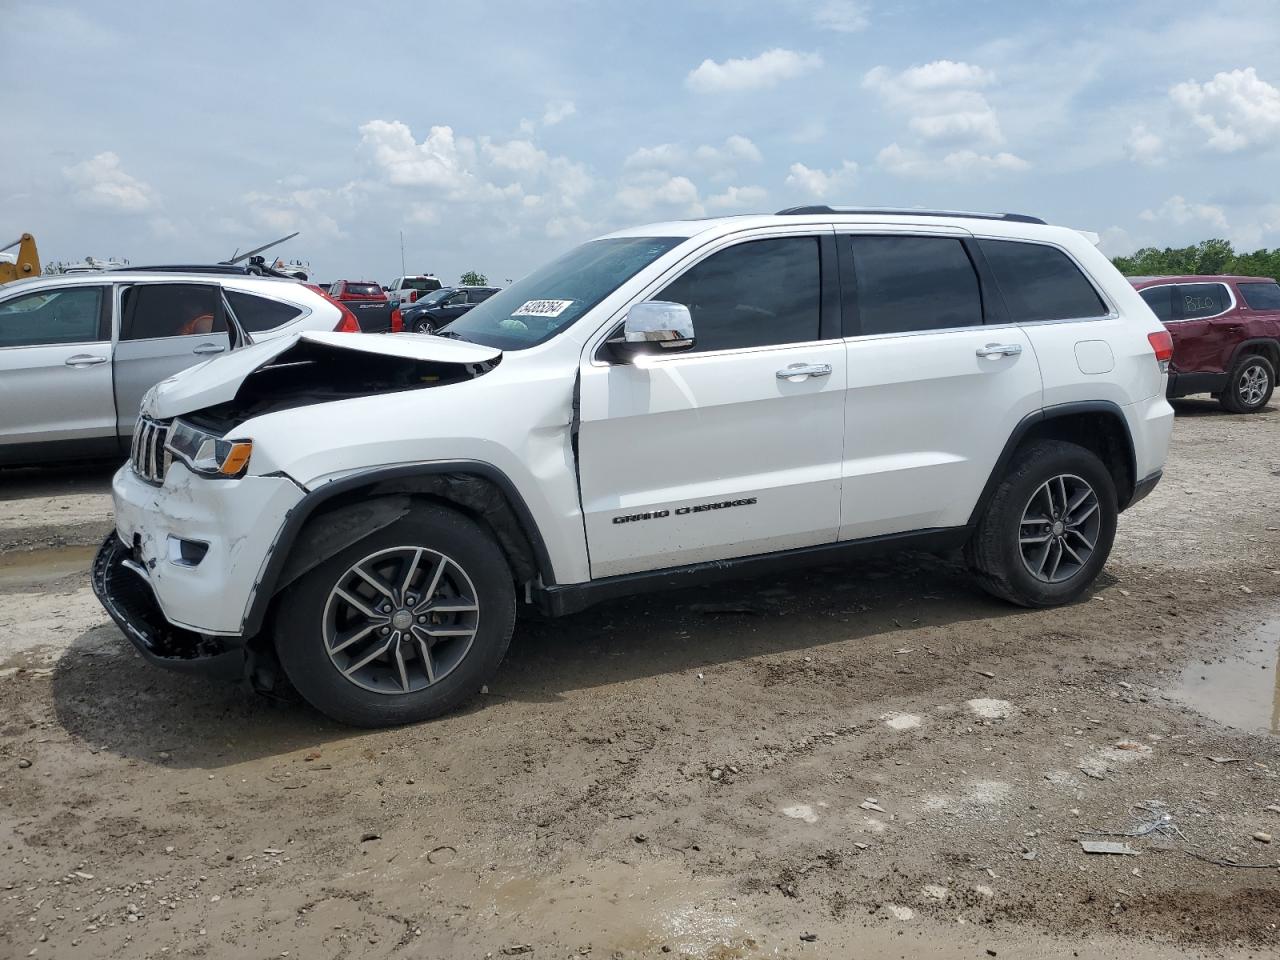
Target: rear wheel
(1049, 527)
(1249, 384)
(404, 625)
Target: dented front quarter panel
(238, 519)
(516, 418)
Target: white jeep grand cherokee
(674, 402)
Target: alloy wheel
(400, 620)
(1059, 528)
(1252, 384)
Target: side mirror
(653, 328)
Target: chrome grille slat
(147, 455)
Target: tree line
(1206, 257)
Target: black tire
(1250, 384)
(423, 326)
(995, 551)
(304, 615)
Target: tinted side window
(51, 317)
(258, 313)
(480, 296)
(755, 294)
(1040, 282)
(914, 283)
(1261, 296)
(1160, 300)
(1203, 299)
(171, 310)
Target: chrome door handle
(1000, 350)
(84, 360)
(798, 370)
(209, 348)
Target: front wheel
(401, 626)
(1048, 529)
(423, 326)
(1249, 384)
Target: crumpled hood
(217, 381)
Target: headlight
(206, 454)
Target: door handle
(84, 360)
(798, 371)
(1000, 350)
(209, 348)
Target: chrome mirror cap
(653, 328)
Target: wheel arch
(1267, 347)
(366, 502)
(1097, 425)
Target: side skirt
(563, 599)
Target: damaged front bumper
(123, 588)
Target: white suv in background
(78, 351)
(666, 404)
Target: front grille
(148, 456)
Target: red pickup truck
(369, 303)
(1226, 335)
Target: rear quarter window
(258, 313)
(1040, 282)
(1160, 300)
(1261, 296)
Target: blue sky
(497, 134)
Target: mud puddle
(28, 568)
(1242, 689)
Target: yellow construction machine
(25, 264)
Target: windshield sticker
(542, 308)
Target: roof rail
(220, 268)
(822, 209)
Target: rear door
(719, 453)
(165, 327)
(1206, 327)
(55, 370)
(937, 382)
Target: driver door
(733, 448)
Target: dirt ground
(868, 760)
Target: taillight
(1162, 343)
(348, 323)
(397, 321)
(413, 296)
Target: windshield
(539, 306)
(435, 296)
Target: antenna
(402, 270)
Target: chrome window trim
(1231, 294)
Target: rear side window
(171, 310)
(755, 294)
(1261, 296)
(1201, 300)
(1039, 282)
(258, 313)
(51, 317)
(1160, 300)
(914, 283)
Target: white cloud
(657, 190)
(820, 183)
(842, 16)
(519, 156)
(942, 100)
(441, 160)
(557, 111)
(1179, 211)
(736, 148)
(310, 211)
(757, 73)
(102, 183)
(959, 164)
(662, 155)
(1237, 109)
(720, 162)
(1144, 146)
(736, 198)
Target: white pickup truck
(670, 403)
(403, 291)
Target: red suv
(1226, 335)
